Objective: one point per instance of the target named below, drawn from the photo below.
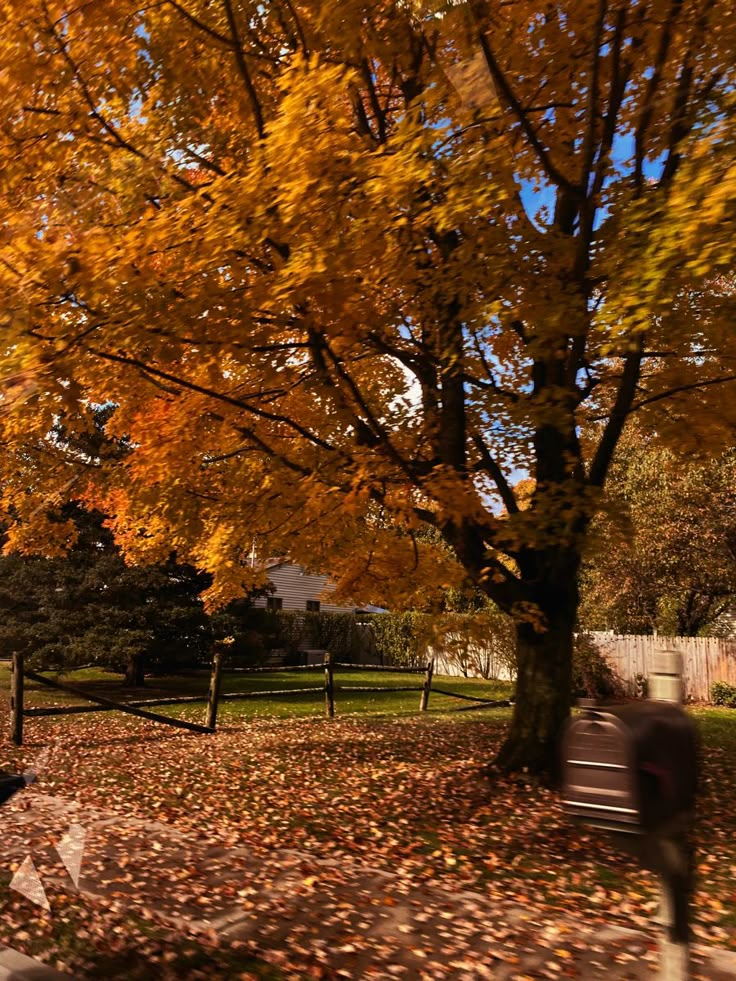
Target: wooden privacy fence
(19, 711)
(705, 659)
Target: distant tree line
(663, 554)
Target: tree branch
(243, 69)
(589, 145)
(497, 475)
(617, 418)
(682, 388)
(294, 16)
(374, 426)
(502, 83)
(375, 104)
(205, 28)
(217, 396)
(117, 137)
(645, 118)
(680, 126)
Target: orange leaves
(40, 535)
(347, 267)
(660, 558)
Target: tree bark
(544, 678)
(134, 672)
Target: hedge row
(479, 644)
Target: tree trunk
(694, 614)
(134, 672)
(544, 680)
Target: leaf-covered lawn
(405, 795)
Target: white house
(297, 589)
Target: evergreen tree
(91, 607)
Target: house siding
(294, 586)
(725, 625)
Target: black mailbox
(630, 768)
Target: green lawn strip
(385, 702)
(717, 727)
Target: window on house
(312, 606)
(274, 603)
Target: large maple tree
(349, 268)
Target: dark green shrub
(721, 693)
(333, 632)
(257, 631)
(290, 632)
(592, 675)
(254, 632)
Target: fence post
(329, 687)
(215, 683)
(16, 699)
(426, 687)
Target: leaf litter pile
(308, 848)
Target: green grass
(388, 702)
(717, 727)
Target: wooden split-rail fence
(20, 711)
(140, 707)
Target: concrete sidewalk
(313, 916)
(15, 966)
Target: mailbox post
(631, 770)
(665, 682)
(678, 865)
